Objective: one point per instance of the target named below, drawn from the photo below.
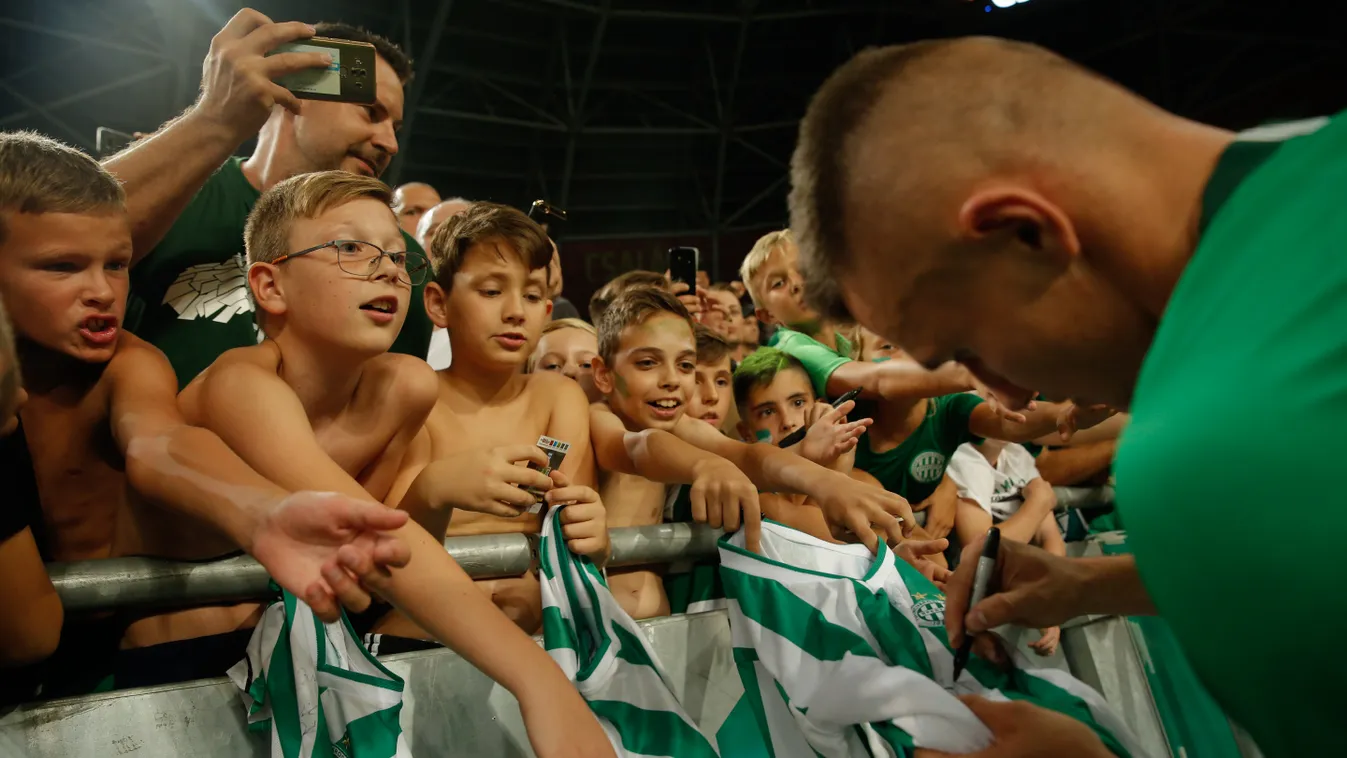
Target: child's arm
(431, 588)
(1039, 500)
(1070, 465)
(719, 492)
(845, 502)
(192, 470)
(942, 508)
(31, 623)
(986, 420)
(898, 380)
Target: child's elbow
(33, 632)
(149, 457)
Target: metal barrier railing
(119, 583)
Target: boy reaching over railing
(117, 469)
(321, 404)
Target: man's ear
(266, 289)
(437, 304)
(1034, 220)
(602, 375)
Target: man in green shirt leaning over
(991, 202)
(188, 197)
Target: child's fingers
(345, 588)
(697, 499)
(522, 454)
(580, 512)
(526, 477)
(590, 546)
(584, 530)
(559, 479)
(573, 494)
(506, 500)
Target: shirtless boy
(321, 404)
(568, 347)
(713, 395)
(491, 291)
(645, 368)
(102, 424)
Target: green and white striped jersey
(845, 654)
(317, 689)
(602, 650)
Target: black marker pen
(982, 579)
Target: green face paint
(881, 359)
(762, 435)
(620, 384)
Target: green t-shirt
(189, 296)
(913, 469)
(820, 361)
(1236, 439)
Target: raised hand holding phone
(238, 79)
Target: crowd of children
(342, 466)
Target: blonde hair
(40, 175)
(266, 236)
(757, 257)
(556, 326)
(570, 323)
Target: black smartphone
(797, 435)
(348, 79)
(110, 141)
(683, 266)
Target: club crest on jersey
(928, 467)
(928, 610)
(342, 748)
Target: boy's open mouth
(387, 304)
(99, 330)
(666, 407)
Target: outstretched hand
(830, 435)
(722, 496)
(306, 530)
(854, 509)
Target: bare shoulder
(404, 379)
(553, 390)
(133, 354)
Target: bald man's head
(436, 216)
(958, 196)
(410, 203)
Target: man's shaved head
(436, 216)
(970, 196)
(410, 203)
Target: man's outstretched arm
(162, 172)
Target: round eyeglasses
(359, 258)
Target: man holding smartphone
(188, 197)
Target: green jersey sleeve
(818, 359)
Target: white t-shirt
(997, 489)
(440, 355)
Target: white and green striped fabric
(844, 653)
(317, 689)
(603, 651)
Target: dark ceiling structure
(654, 117)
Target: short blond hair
(266, 236)
(40, 175)
(757, 257)
(570, 323)
(558, 325)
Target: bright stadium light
(1007, 3)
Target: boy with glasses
(321, 404)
